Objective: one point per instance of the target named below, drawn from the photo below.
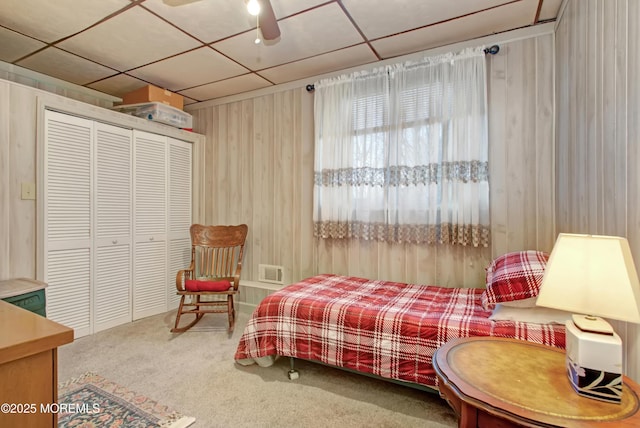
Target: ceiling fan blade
(268, 22)
(174, 3)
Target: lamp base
(594, 363)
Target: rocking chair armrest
(236, 281)
(181, 276)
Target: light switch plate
(28, 190)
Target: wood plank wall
(598, 110)
(18, 165)
(521, 130)
(4, 180)
(256, 171)
(259, 162)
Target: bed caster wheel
(293, 374)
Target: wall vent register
(270, 273)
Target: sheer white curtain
(401, 153)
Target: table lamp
(592, 276)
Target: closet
(117, 211)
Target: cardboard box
(152, 93)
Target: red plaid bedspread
(389, 329)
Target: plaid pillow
(514, 276)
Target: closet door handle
(151, 239)
(114, 242)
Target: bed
(389, 329)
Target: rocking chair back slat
(216, 262)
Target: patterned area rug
(93, 401)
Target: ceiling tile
(123, 84)
(549, 9)
(469, 27)
(318, 31)
(378, 18)
(208, 20)
(205, 47)
(63, 65)
(235, 85)
(14, 45)
(131, 39)
(187, 100)
(321, 64)
(118, 85)
(283, 8)
(197, 67)
(51, 20)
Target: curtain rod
(491, 50)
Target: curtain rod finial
(492, 50)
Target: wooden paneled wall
(521, 136)
(4, 180)
(598, 130)
(17, 166)
(259, 170)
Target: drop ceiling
(205, 49)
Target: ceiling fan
(266, 17)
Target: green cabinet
(26, 293)
(33, 301)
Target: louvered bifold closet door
(67, 226)
(113, 237)
(179, 214)
(150, 225)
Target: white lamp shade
(592, 275)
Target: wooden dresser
(28, 366)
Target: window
(401, 153)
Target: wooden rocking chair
(216, 262)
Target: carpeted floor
(194, 374)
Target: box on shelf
(152, 93)
(159, 112)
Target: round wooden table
(495, 382)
